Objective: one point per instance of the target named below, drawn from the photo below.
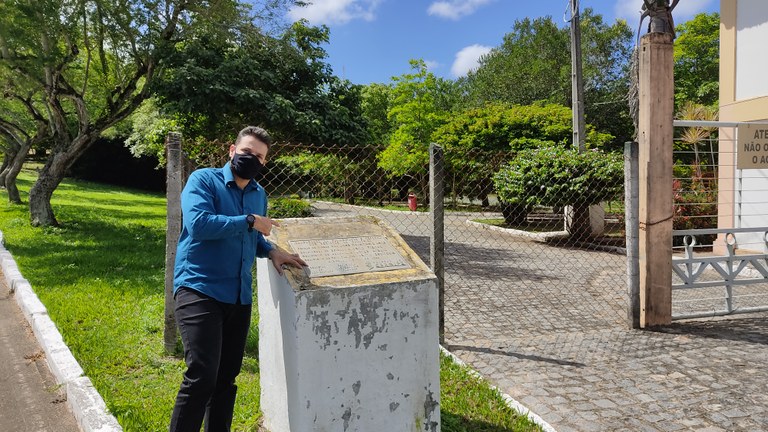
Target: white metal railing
(718, 279)
(727, 271)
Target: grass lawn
(101, 276)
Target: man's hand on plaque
(281, 259)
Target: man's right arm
(199, 212)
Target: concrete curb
(544, 237)
(509, 400)
(85, 402)
(538, 236)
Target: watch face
(250, 219)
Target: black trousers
(214, 336)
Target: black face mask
(247, 166)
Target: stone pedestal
(353, 345)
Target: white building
(743, 193)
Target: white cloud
(468, 59)
(685, 10)
(431, 65)
(335, 11)
(455, 9)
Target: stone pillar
(348, 347)
(655, 139)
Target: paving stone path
(547, 325)
(30, 400)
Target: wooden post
(174, 180)
(656, 86)
(437, 238)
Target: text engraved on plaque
(349, 255)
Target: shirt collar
(229, 178)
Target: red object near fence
(412, 201)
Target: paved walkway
(547, 326)
(30, 400)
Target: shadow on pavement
(741, 329)
(453, 348)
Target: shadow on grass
(456, 423)
(90, 249)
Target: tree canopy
(697, 60)
(218, 83)
(85, 65)
(533, 63)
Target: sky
(373, 40)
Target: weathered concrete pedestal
(354, 345)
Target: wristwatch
(250, 219)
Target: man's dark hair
(256, 132)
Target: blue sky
(373, 40)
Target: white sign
(350, 255)
(752, 147)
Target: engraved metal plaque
(350, 255)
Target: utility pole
(577, 80)
(578, 216)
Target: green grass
(101, 276)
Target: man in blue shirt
(224, 213)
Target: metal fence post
(174, 181)
(632, 229)
(437, 238)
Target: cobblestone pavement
(547, 325)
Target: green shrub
(281, 208)
(695, 197)
(555, 176)
(479, 141)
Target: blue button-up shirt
(216, 251)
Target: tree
(557, 176)
(219, 82)
(414, 115)
(22, 126)
(607, 50)
(145, 130)
(375, 105)
(478, 141)
(533, 64)
(697, 60)
(93, 62)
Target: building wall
(743, 97)
(751, 61)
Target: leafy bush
(695, 198)
(555, 176)
(289, 208)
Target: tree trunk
(514, 214)
(9, 155)
(577, 222)
(12, 172)
(40, 210)
(61, 158)
(424, 183)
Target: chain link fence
(543, 261)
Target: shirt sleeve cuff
(265, 247)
